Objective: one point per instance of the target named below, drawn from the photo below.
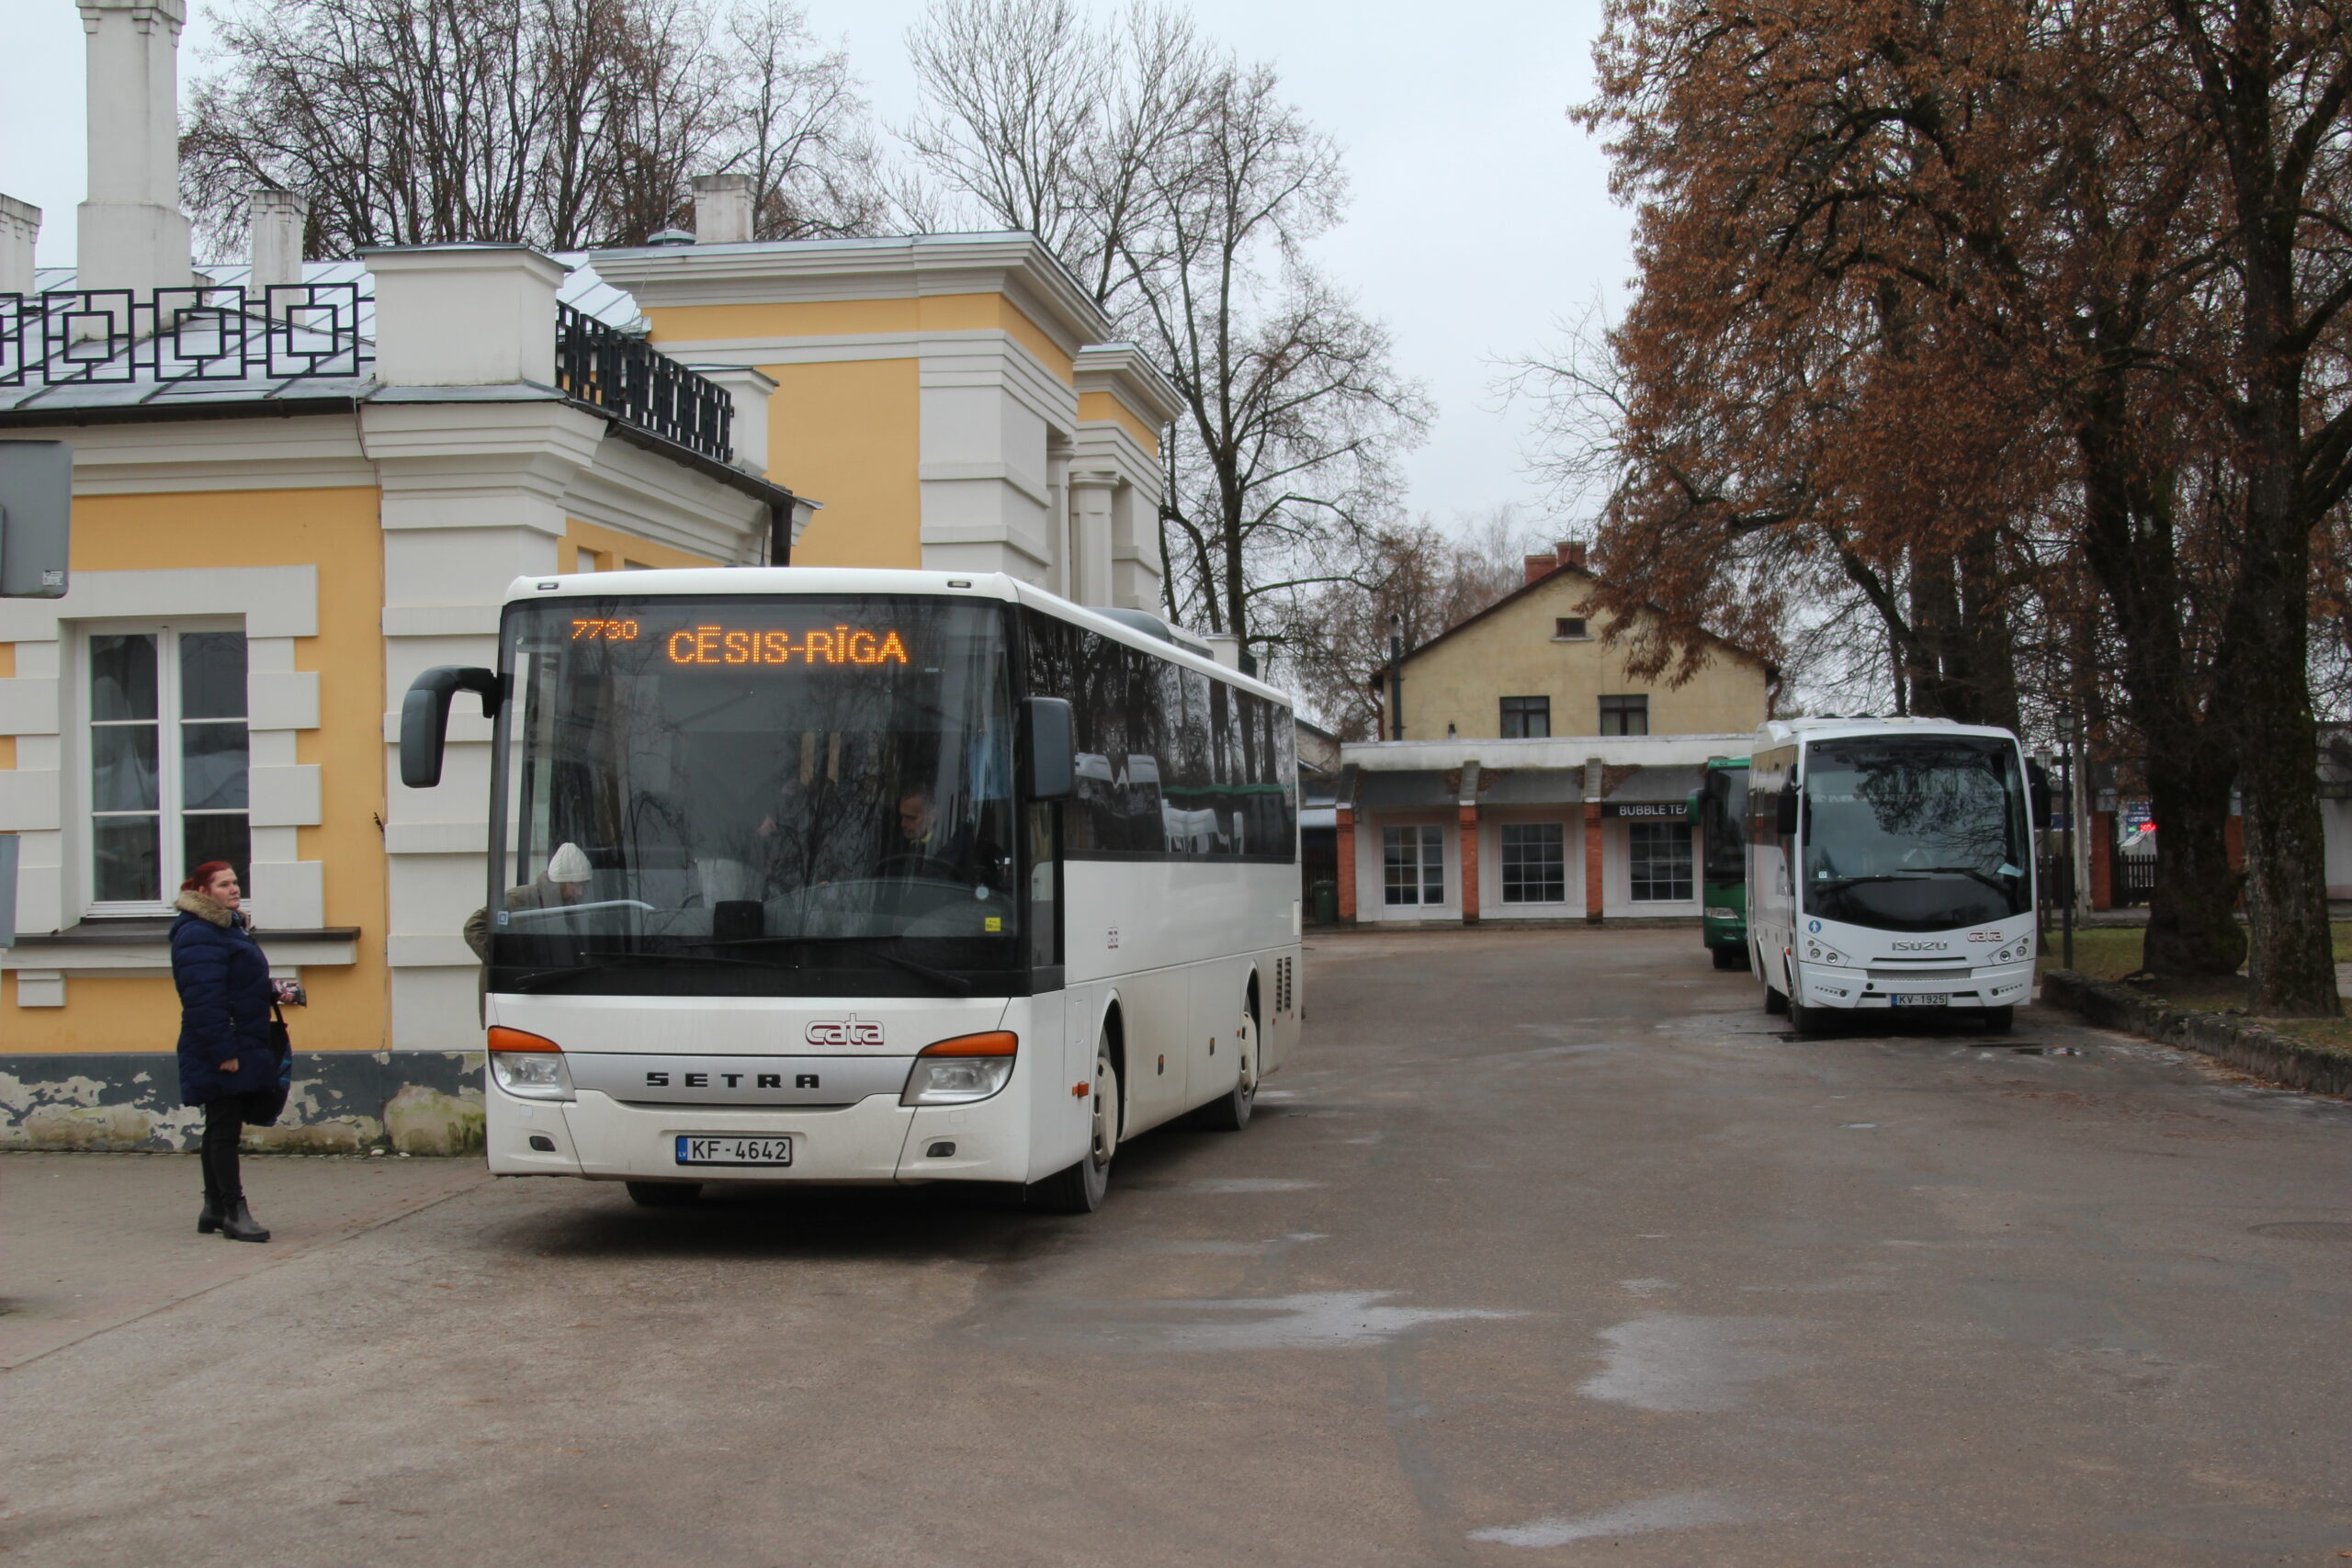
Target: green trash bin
(1323, 899)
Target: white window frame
(1503, 861)
(172, 847)
(1425, 838)
(1634, 831)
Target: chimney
(132, 233)
(722, 208)
(19, 227)
(1541, 567)
(279, 217)
(1571, 554)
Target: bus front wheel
(1729, 957)
(1998, 1020)
(1081, 1189)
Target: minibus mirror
(1690, 809)
(2037, 788)
(1784, 811)
(425, 717)
(1053, 747)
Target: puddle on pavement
(1676, 1362)
(1666, 1511)
(1320, 1320)
(2306, 1230)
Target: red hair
(202, 877)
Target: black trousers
(224, 1128)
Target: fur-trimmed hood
(204, 906)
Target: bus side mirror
(1053, 747)
(1784, 811)
(2037, 787)
(425, 717)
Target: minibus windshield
(1915, 832)
(1724, 824)
(806, 796)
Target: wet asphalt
(1547, 1247)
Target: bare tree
(1180, 188)
(563, 123)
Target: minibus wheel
(1081, 1189)
(1998, 1020)
(665, 1194)
(1229, 1112)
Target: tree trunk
(2192, 920)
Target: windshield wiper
(955, 984)
(1906, 875)
(623, 958)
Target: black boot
(208, 1219)
(239, 1225)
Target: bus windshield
(1915, 832)
(1723, 817)
(770, 796)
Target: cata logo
(850, 1031)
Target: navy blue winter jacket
(224, 1003)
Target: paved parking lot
(1549, 1247)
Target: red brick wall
(1347, 866)
(1469, 835)
(1592, 859)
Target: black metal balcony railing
(113, 336)
(630, 378)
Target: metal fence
(630, 378)
(2132, 879)
(89, 337)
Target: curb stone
(2267, 1053)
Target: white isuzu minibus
(1890, 864)
(855, 877)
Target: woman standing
(226, 1051)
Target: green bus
(1719, 810)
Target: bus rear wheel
(1229, 1112)
(1082, 1187)
(665, 1194)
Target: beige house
(1533, 665)
(1534, 779)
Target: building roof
(1547, 580)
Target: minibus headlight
(959, 1071)
(529, 1067)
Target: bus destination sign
(714, 644)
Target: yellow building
(298, 485)
(1533, 665)
(1536, 780)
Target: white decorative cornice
(1122, 370)
(800, 271)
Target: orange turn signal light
(997, 1043)
(504, 1039)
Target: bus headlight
(959, 1071)
(529, 1067)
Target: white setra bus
(1890, 864)
(863, 876)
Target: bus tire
(1229, 1112)
(665, 1194)
(1806, 1020)
(1774, 1003)
(1728, 957)
(1081, 1189)
(1998, 1020)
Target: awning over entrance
(1660, 794)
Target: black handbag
(263, 1107)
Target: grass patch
(2110, 953)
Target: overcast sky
(1480, 214)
